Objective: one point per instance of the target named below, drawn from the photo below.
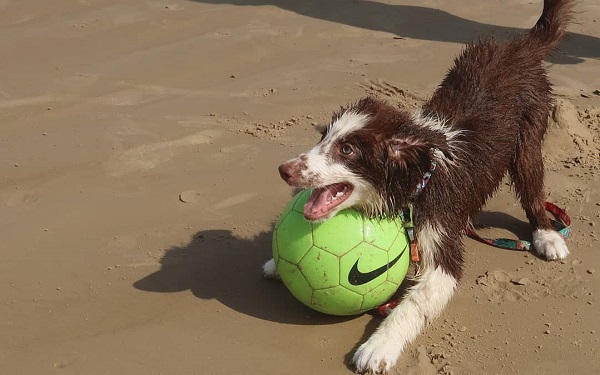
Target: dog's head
(371, 157)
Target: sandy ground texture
(139, 142)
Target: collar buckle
(409, 226)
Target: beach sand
(139, 145)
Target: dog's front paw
(549, 244)
(270, 270)
(376, 356)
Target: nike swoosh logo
(355, 277)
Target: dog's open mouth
(324, 199)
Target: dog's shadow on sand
(499, 220)
(216, 264)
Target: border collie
(487, 117)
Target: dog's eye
(347, 150)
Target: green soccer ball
(346, 265)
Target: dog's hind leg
(527, 174)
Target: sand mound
(572, 137)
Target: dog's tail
(552, 25)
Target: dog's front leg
(422, 303)
(270, 270)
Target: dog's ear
(409, 151)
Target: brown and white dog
(487, 117)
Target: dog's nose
(285, 171)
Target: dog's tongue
(324, 199)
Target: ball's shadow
(216, 264)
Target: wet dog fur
(487, 118)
